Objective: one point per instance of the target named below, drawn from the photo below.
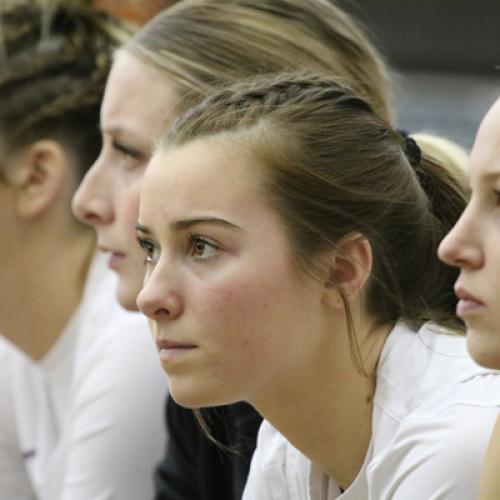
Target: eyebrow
(187, 223)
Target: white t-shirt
(434, 411)
(85, 422)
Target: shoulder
(435, 453)
(415, 366)
(278, 470)
(433, 423)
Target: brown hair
(54, 61)
(202, 43)
(334, 168)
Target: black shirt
(195, 468)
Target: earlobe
(349, 270)
(39, 177)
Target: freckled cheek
(241, 317)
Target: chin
(195, 398)
(484, 348)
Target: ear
(349, 268)
(39, 177)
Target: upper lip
(108, 249)
(463, 294)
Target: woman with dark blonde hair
(290, 239)
(174, 60)
(81, 388)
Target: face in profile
(473, 245)
(136, 108)
(234, 318)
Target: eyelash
(148, 247)
(128, 153)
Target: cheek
(245, 316)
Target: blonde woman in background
(80, 383)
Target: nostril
(94, 212)
(90, 218)
(162, 312)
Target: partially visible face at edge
(233, 317)
(137, 107)
(473, 245)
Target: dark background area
(446, 54)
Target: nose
(461, 247)
(91, 203)
(158, 300)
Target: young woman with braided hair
(81, 388)
(175, 59)
(290, 239)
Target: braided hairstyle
(54, 60)
(334, 168)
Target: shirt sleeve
(439, 455)
(114, 433)
(14, 479)
(278, 470)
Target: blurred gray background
(447, 57)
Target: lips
(115, 259)
(467, 304)
(170, 350)
(169, 344)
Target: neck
(329, 407)
(42, 290)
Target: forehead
(485, 154)
(137, 96)
(205, 176)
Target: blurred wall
(443, 35)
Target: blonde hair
(445, 151)
(199, 44)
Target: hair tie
(411, 149)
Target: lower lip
(115, 260)
(167, 355)
(467, 307)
